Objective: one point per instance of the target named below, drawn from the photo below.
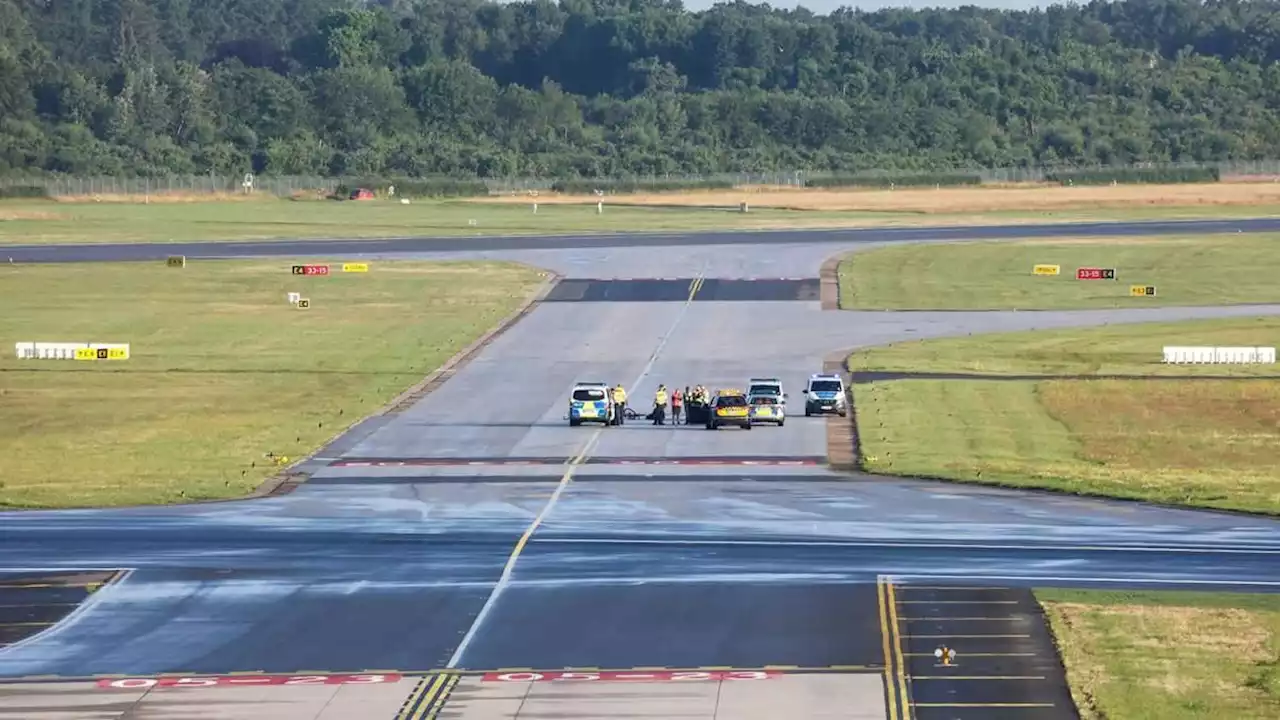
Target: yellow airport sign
(108, 352)
(177, 261)
(304, 303)
(355, 267)
(1142, 290)
(1047, 269)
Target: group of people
(662, 399)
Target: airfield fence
(294, 185)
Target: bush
(615, 187)
(24, 191)
(884, 181)
(1161, 176)
(442, 187)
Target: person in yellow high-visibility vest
(619, 404)
(660, 406)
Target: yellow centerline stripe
(890, 689)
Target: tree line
(616, 88)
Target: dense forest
(625, 87)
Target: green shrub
(1159, 176)
(24, 191)
(615, 187)
(884, 181)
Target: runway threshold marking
(509, 567)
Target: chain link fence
(292, 186)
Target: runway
(473, 532)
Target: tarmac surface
(473, 534)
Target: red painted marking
(227, 680)
(613, 676)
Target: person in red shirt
(677, 403)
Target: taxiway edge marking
(890, 689)
(900, 668)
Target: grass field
(223, 370)
(960, 200)
(1206, 270)
(1169, 655)
(184, 218)
(1208, 443)
(1131, 349)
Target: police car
(591, 402)
(824, 393)
(767, 401)
(729, 407)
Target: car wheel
(781, 423)
(747, 426)
(844, 413)
(574, 423)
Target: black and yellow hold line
(438, 702)
(427, 687)
(897, 695)
(694, 286)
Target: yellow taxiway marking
(894, 665)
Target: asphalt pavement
(476, 531)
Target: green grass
(47, 222)
(1211, 443)
(1207, 270)
(1203, 444)
(1168, 655)
(63, 222)
(1132, 349)
(223, 370)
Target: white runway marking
(505, 579)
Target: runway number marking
(663, 676)
(231, 680)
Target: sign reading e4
(310, 269)
(1096, 274)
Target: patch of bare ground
(1028, 197)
